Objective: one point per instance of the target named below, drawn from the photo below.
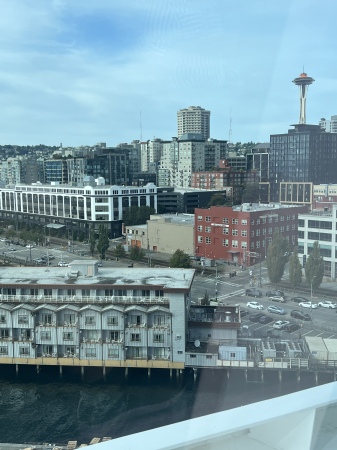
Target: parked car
(291, 327)
(253, 292)
(62, 264)
(276, 292)
(29, 246)
(39, 261)
(299, 299)
(277, 298)
(243, 313)
(255, 305)
(265, 319)
(50, 257)
(300, 315)
(308, 305)
(327, 304)
(255, 317)
(280, 324)
(276, 310)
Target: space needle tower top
(303, 82)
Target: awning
(55, 225)
(233, 251)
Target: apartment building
(85, 315)
(194, 119)
(241, 234)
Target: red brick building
(239, 233)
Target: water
(42, 408)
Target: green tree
(136, 253)
(277, 257)
(103, 241)
(119, 251)
(10, 233)
(92, 242)
(180, 259)
(314, 268)
(218, 199)
(137, 215)
(295, 270)
(81, 236)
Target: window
(207, 229)
(114, 335)
(252, 222)
(69, 350)
(24, 351)
(90, 320)
(135, 337)
(282, 218)
(243, 244)
(45, 335)
(68, 336)
(69, 318)
(232, 355)
(263, 231)
(252, 246)
(208, 356)
(86, 293)
(288, 217)
(235, 244)
(235, 221)
(199, 218)
(199, 227)
(287, 228)
(46, 318)
(235, 232)
(4, 333)
(225, 220)
(3, 351)
(158, 338)
(264, 220)
(112, 320)
(225, 231)
(159, 319)
(225, 243)
(208, 240)
(270, 231)
(243, 221)
(2, 319)
(193, 356)
(244, 233)
(281, 229)
(258, 221)
(113, 352)
(90, 352)
(258, 244)
(136, 319)
(200, 239)
(252, 233)
(22, 318)
(179, 352)
(207, 218)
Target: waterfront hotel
(78, 208)
(85, 315)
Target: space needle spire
(303, 82)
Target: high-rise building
(194, 119)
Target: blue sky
(86, 71)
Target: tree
(314, 268)
(180, 259)
(277, 257)
(137, 215)
(218, 199)
(103, 241)
(136, 253)
(119, 251)
(295, 270)
(92, 242)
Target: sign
(219, 225)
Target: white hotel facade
(74, 207)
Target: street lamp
(311, 288)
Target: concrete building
(319, 226)
(81, 208)
(329, 125)
(84, 315)
(194, 119)
(164, 234)
(241, 234)
(174, 200)
(150, 152)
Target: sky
(78, 72)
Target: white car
(255, 305)
(280, 324)
(277, 298)
(30, 246)
(308, 305)
(62, 264)
(327, 304)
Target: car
(327, 304)
(291, 327)
(253, 292)
(29, 246)
(255, 305)
(280, 324)
(265, 319)
(300, 315)
(276, 310)
(12, 249)
(308, 305)
(2, 240)
(277, 298)
(299, 299)
(256, 317)
(50, 257)
(39, 261)
(62, 264)
(243, 313)
(100, 264)
(276, 292)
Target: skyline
(89, 72)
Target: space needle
(303, 82)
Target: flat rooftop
(56, 276)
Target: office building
(194, 119)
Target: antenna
(230, 127)
(140, 124)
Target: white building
(194, 119)
(98, 316)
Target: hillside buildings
(194, 119)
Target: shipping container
(232, 353)
(316, 347)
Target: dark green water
(42, 408)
